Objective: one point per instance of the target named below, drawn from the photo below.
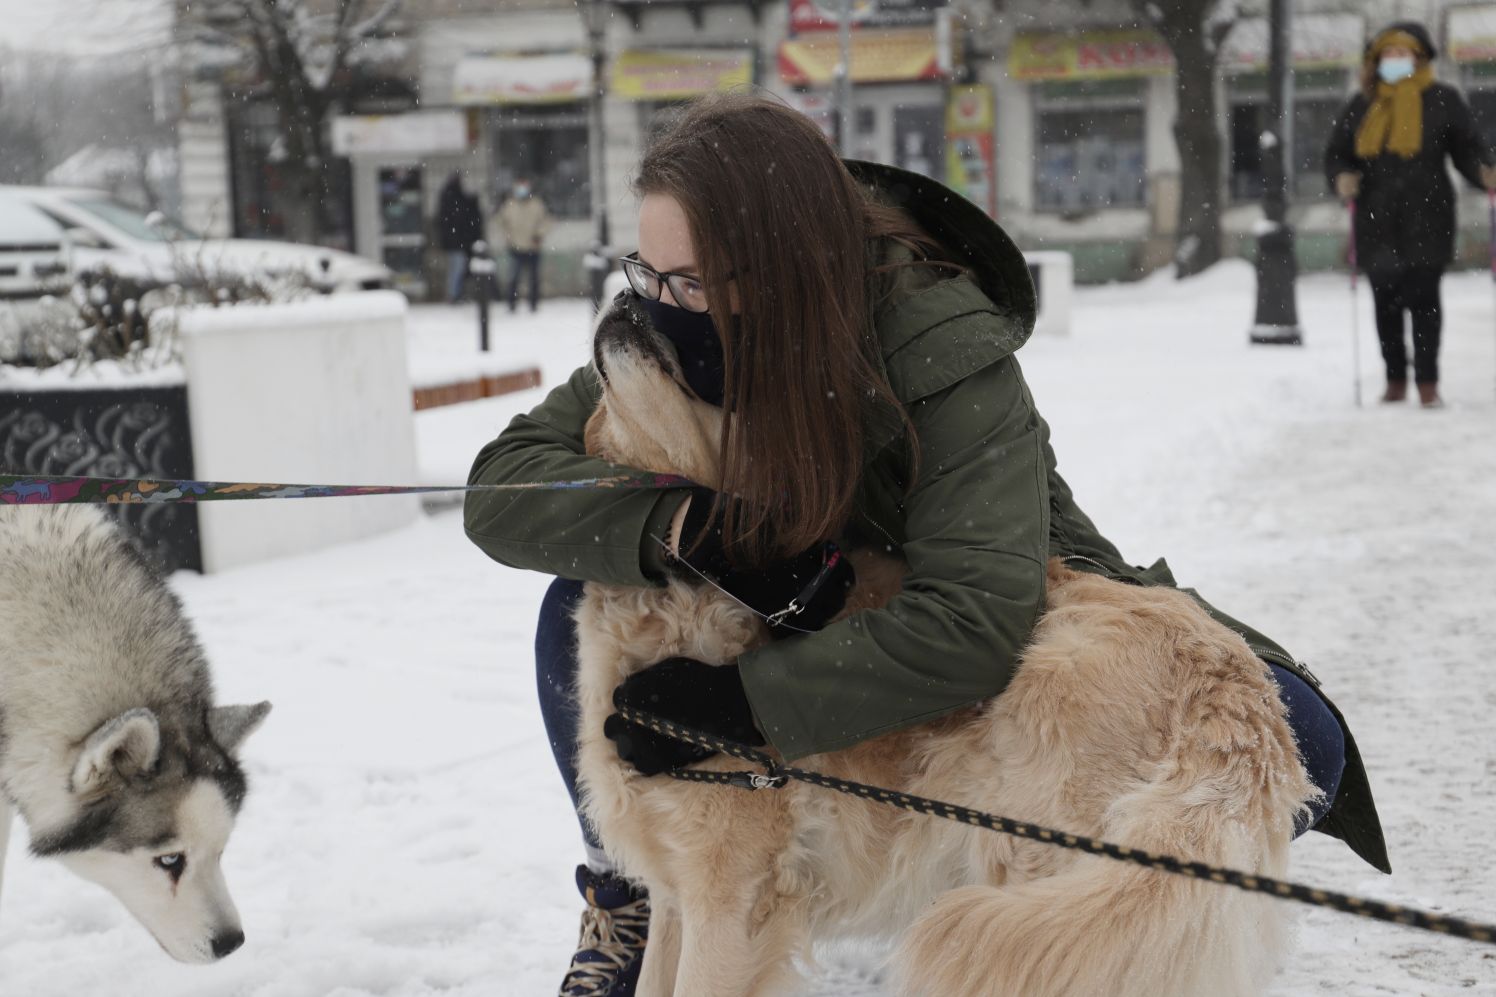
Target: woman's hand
(1488, 176)
(1348, 186)
(708, 698)
(801, 593)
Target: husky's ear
(230, 725)
(128, 745)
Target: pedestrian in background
(1387, 156)
(524, 221)
(459, 224)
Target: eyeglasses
(647, 282)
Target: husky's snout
(227, 943)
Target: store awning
(411, 132)
(1472, 34)
(1087, 55)
(522, 79)
(675, 74)
(877, 57)
(1319, 41)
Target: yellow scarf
(1394, 121)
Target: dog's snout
(227, 942)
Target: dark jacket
(1405, 212)
(459, 218)
(986, 512)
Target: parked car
(47, 234)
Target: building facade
(1054, 116)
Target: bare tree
(1195, 30)
(296, 55)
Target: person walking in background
(459, 224)
(1386, 156)
(524, 221)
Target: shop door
(919, 139)
(402, 226)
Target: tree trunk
(1198, 136)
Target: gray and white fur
(111, 749)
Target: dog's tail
(1100, 926)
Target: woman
(859, 322)
(1386, 157)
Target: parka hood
(979, 243)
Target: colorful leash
(24, 489)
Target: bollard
(481, 268)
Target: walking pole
(1491, 201)
(1356, 312)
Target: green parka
(987, 511)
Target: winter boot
(1428, 394)
(615, 926)
(1396, 391)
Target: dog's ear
(128, 745)
(230, 725)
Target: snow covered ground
(406, 833)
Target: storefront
(1090, 105)
(1326, 54)
(657, 80)
(1471, 34)
(900, 63)
(397, 162)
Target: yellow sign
(1089, 55)
(675, 74)
(877, 57)
(969, 110)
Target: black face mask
(697, 344)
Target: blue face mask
(1394, 69)
(698, 345)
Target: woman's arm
(602, 535)
(1467, 150)
(977, 529)
(1340, 151)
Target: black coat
(1405, 213)
(459, 219)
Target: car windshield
(132, 222)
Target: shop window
(548, 145)
(1090, 146)
(1319, 97)
(263, 203)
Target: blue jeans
(1320, 740)
(457, 264)
(524, 262)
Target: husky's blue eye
(173, 865)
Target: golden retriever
(1133, 717)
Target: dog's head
(648, 418)
(151, 811)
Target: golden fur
(1133, 717)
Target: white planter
(1054, 280)
(314, 392)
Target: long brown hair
(775, 215)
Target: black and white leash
(777, 775)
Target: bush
(106, 315)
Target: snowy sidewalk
(406, 833)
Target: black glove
(708, 698)
(796, 594)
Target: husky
(111, 749)
(1133, 717)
